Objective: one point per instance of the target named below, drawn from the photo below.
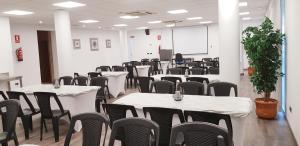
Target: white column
(125, 48)
(229, 33)
(63, 42)
(6, 51)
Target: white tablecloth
(143, 70)
(116, 82)
(211, 78)
(237, 107)
(77, 99)
(164, 65)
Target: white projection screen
(190, 40)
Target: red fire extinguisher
(19, 54)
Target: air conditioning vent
(137, 13)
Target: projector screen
(190, 40)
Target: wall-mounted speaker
(147, 31)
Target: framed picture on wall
(108, 43)
(76, 44)
(94, 44)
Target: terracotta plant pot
(266, 108)
(250, 71)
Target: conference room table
(237, 107)
(143, 70)
(76, 99)
(116, 82)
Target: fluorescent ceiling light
(244, 13)
(69, 4)
(129, 17)
(170, 25)
(247, 18)
(89, 21)
(142, 28)
(243, 4)
(154, 22)
(180, 11)
(205, 22)
(18, 12)
(194, 18)
(120, 25)
(41, 22)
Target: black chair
(102, 93)
(179, 59)
(198, 79)
(26, 113)
(156, 66)
(91, 129)
(9, 110)
(43, 99)
(197, 71)
(132, 75)
(137, 132)
(200, 134)
(136, 63)
(3, 95)
(206, 59)
(222, 89)
(117, 112)
(103, 68)
(76, 74)
(191, 88)
(165, 87)
(94, 74)
(67, 80)
(118, 68)
(214, 70)
(174, 71)
(144, 84)
(145, 61)
(173, 80)
(213, 118)
(163, 117)
(126, 63)
(80, 81)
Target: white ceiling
(107, 11)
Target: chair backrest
(197, 71)
(174, 71)
(43, 100)
(178, 57)
(163, 117)
(201, 134)
(145, 61)
(144, 83)
(191, 88)
(103, 68)
(126, 63)
(10, 112)
(163, 87)
(91, 128)
(94, 74)
(76, 74)
(67, 80)
(198, 79)
(17, 95)
(213, 118)
(222, 88)
(99, 81)
(173, 80)
(206, 59)
(132, 71)
(3, 95)
(135, 63)
(137, 132)
(118, 68)
(156, 65)
(214, 70)
(81, 81)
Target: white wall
(142, 44)
(6, 50)
(29, 68)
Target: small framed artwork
(76, 44)
(108, 43)
(94, 44)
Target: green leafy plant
(262, 45)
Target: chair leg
(108, 93)
(97, 105)
(30, 123)
(26, 125)
(46, 129)
(16, 139)
(4, 144)
(69, 115)
(3, 122)
(55, 123)
(41, 129)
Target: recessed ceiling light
(244, 13)
(243, 4)
(170, 25)
(69, 4)
(194, 18)
(247, 18)
(129, 17)
(89, 21)
(205, 22)
(18, 12)
(154, 22)
(41, 22)
(142, 28)
(180, 11)
(120, 25)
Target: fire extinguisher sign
(17, 38)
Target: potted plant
(262, 45)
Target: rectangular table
(116, 82)
(237, 107)
(77, 99)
